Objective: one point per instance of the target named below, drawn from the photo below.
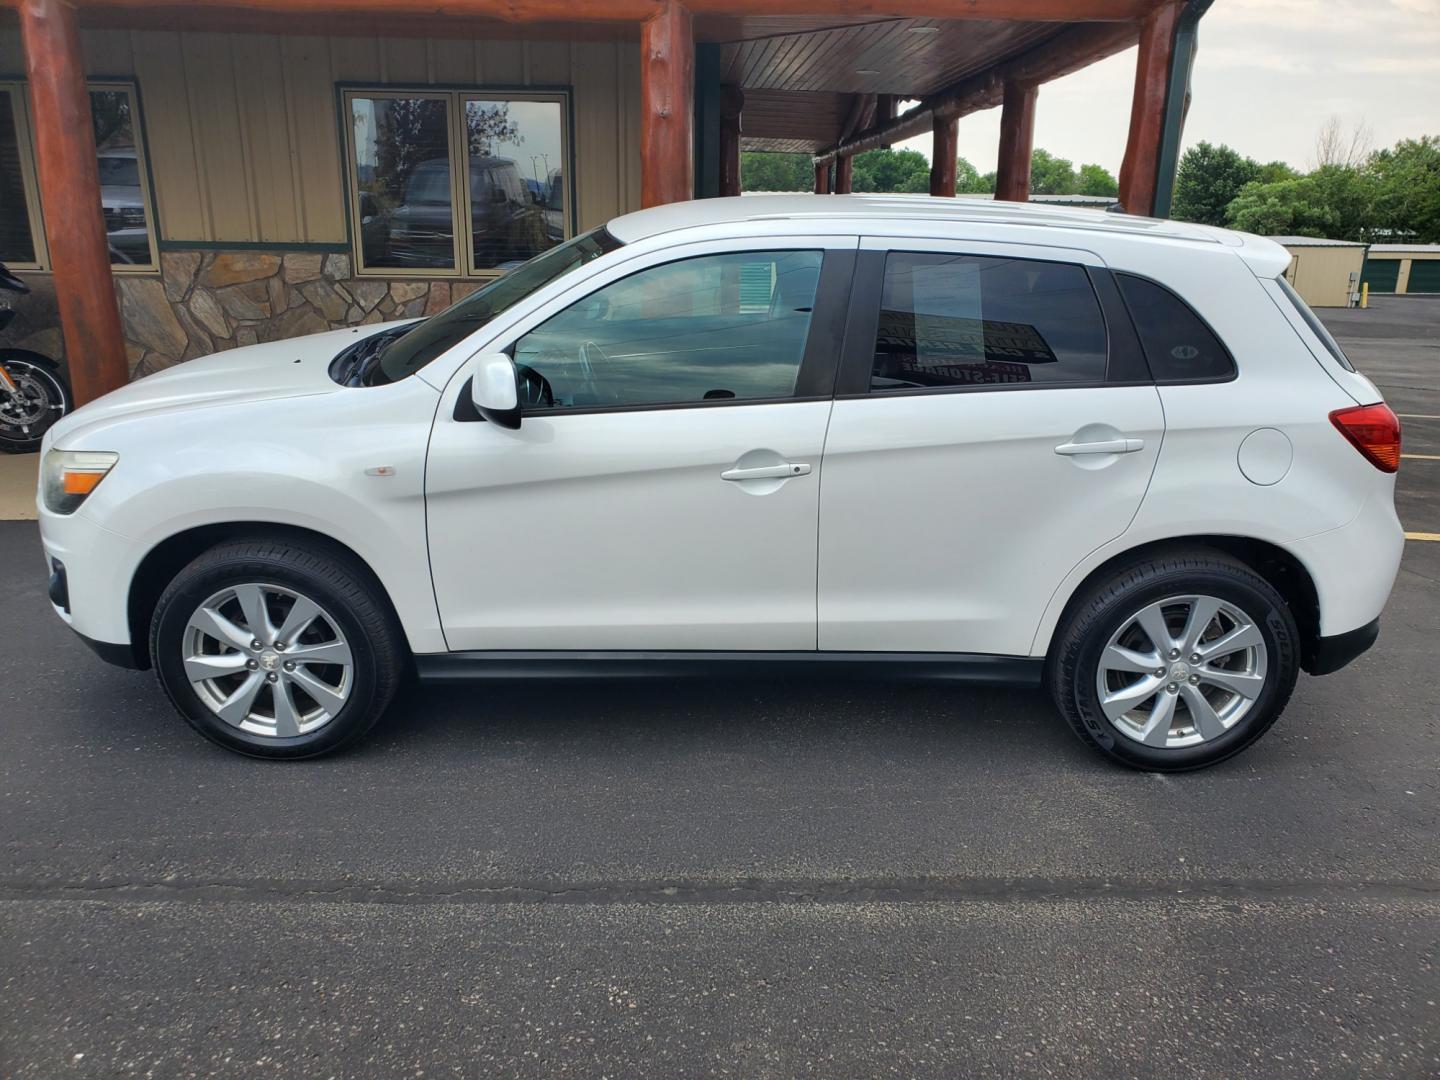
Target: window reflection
(402, 171)
(963, 320)
(121, 194)
(517, 195)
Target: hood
(297, 367)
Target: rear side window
(1317, 327)
(971, 320)
(1177, 343)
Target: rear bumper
(1330, 654)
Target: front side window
(977, 320)
(120, 161)
(456, 183)
(711, 328)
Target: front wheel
(33, 398)
(1176, 663)
(277, 648)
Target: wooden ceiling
(800, 73)
(799, 83)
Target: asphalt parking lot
(752, 881)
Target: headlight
(69, 476)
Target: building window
(455, 182)
(124, 180)
(20, 239)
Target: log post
(732, 102)
(822, 179)
(1017, 136)
(667, 106)
(1140, 167)
(844, 174)
(70, 197)
(942, 157)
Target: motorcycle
(33, 394)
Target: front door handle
(1104, 446)
(766, 472)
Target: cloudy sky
(1268, 74)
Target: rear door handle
(1106, 446)
(766, 472)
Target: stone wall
(205, 302)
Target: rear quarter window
(1178, 345)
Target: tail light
(1375, 432)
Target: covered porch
(259, 198)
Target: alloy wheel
(268, 660)
(1181, 671)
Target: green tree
(1407, 189)
(891, 170)
(967, 179)
(1276, 170)
(1335, 202)
(1096, 180)
(1208, 180)
(1050, 175)
(986, 184)
(762, 170)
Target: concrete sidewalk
(17, 486)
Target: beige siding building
(1326, 273)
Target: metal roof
(1313, 241)
(1418, 249)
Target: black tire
(1101, 611)
(331, 578)
(40, 380)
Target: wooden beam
(822, 179)
(1017, 138)
(732, 103)
(667, 107)
(531, 11)
(844, 174)
(1140, 167)
(70, 197)
(942, 157)
(1068, 51)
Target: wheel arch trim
(1276, 563)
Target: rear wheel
(276, 648)
(1177, 662)
(39, 399)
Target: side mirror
(493, 390)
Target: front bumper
(90, 570)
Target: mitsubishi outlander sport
(883, 436)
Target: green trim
(707, 120)
(336, 248)
(1177, 94)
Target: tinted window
(1316, 326)
(969, 320)
(1178, 345)
(714, 328)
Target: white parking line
(1417, 416)
(1422, 457)
(1422, 536)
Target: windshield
(423, 342)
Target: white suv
(884, 436)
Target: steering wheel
(590, 352)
